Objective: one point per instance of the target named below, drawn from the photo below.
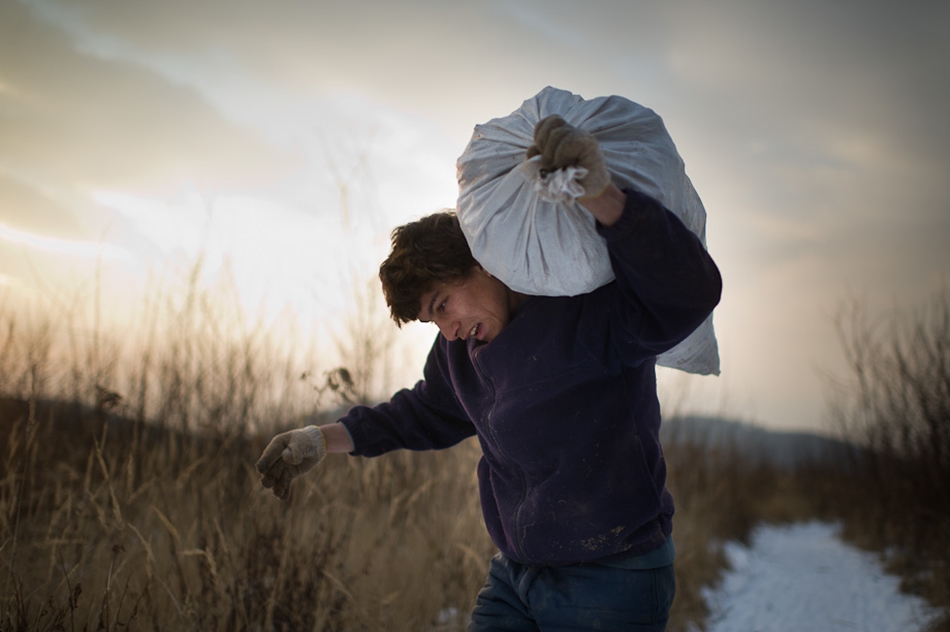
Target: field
(129, 499)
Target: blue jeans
(582, 597)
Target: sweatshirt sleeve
(668, 284)
(425, 417)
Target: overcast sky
(291, 136)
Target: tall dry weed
(129, 499)
(894, 494)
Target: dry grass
(129, 500)
(166, 530)
(720, 496)
(175, 532)
(893, 496)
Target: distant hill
(785, 449)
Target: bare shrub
(895, 494)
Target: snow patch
(803, 577)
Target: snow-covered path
(802, 577)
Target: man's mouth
(474, 331)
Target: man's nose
(448, 327)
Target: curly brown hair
(424, 252)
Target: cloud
(25, 208)
(814, 132)
(82, 120)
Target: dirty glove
(289, 455)
(560, 145)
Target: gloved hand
(288, 455)
(560, 145)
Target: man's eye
(442, 306)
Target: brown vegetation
(129, 500)
(893, 496)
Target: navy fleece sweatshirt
(564, 402)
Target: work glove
(288, 455)
(560, 145)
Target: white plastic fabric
(525, 226)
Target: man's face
(478, 306)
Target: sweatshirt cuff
(344, 421)
(636, 205)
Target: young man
(561, 392)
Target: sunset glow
(275, 150)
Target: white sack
(531, 234)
